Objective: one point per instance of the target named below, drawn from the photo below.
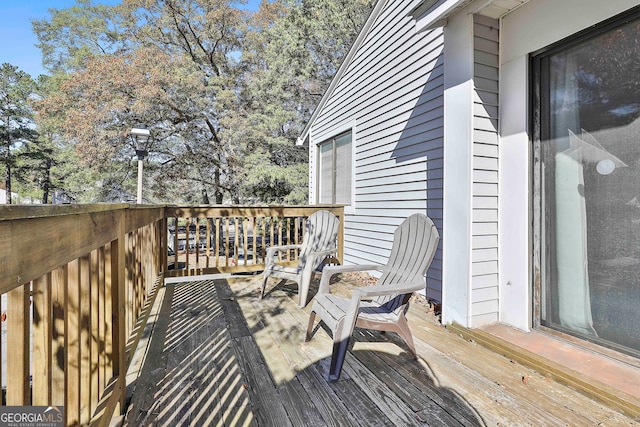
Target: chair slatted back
(321, 233)
(415, 243)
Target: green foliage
(225, 93)
(16, 89)
(290, 59)
(70, 37)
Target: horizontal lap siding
(484, 268)
(393, 92)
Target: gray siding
(484, 268)
(392, 91)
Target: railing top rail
(35, 240)
(14, 212)
(204, 211)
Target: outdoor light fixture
(140, 138)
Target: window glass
(343, 169)
(335, 166)
(326, 173)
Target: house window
(334, 180)
(587, 135)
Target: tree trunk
(218, 190)
(46, 187)
(7, 181)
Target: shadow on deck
(213, 353)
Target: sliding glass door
(587, 134)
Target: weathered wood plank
(199, 353)
(145, 402)
(212, 360)
(301, 409)
(267, 402)
(286, 355)
(380, 394)
(361, 407)
(177, 383)
(276, 332)
(414, 397)
(333, 410)
(236, 323)
(417, 374)
(234, 402)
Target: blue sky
(17, 41)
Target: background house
(512, 124)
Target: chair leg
(312, 318)
(264, 286)
(303, 286)
(337, 359)
(405, 333)
(303, 291)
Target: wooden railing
(78, 280)
(230, 239)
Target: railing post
(72, 349)
(341, 236)
(119, 314)
(59, 279)
(42, 341)
(162, 230)
(86, 288)
(18, 343)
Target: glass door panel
(589, 128)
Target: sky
(17, 40)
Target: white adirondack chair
(319, 241)
(414, 246)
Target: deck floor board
(219, 355)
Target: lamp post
(140, 138)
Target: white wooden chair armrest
(389, 289)
(351, 315)
(271, 252)
(337, 269)
(325, 252)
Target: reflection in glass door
(588, 131)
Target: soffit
(498, 8)
(431, 14)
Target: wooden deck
(215, 354)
